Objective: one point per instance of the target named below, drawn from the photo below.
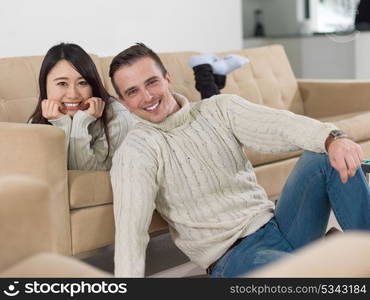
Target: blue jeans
(301, 215)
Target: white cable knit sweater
(85, 140)
(192, 169)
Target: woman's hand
(51, 109)
(94, 107)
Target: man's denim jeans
(301, 215)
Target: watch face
(337, 133)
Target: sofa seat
(90, 200)
(259, 159)
(356, 125)
(89, 188)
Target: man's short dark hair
(131, 55)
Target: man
(186, 160)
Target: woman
(72, 97)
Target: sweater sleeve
(269, 130)
(64, 123)
(88, 143)
(134, 184)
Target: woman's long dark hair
(83, 63)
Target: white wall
(362, 61)
(105, 27)
(286, 17)
(323, 57)
(328, 57)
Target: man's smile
(153, 107)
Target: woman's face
(65, 85)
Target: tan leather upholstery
(33, 157)
(77, 207)
(324, 98)
(356, 125)
(267, 80)
(26, 216)
(87, 189)
(18, 87)
(273, 176)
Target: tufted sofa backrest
(268, 80)
(18, 87)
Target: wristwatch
(333, 135)
(337, 133)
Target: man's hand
(94, 107)
(345, 156)
(51, 109)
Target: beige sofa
(44, 207)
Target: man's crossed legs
(302, 212)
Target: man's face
(145, 91)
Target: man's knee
(315, 158)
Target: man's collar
(173, 121)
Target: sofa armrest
(26, 218)
(324, 98)
(37, 152)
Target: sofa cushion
(26, 214)
(268, 79)
(89, 188)
(19, 77)
(93, 227)
(273, 176)
(356, 125)
(17, 110)
(258, 159)
(18, 87)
